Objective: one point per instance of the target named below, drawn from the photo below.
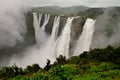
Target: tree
(48, 66)
(61, 60)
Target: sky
(90, 3)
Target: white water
(40, 34)
(49, 48)
(55, 30)
(36, 26)
(39, 54)
(64, 39)
(46, 20)
(40, 17)
(85, 38)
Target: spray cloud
(12, 22)
(107, 29)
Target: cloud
(12, 22)
(92, 3)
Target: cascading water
(40, 17)
(41, 53)
(85, 38)
(55, 30)
(40, 34)
(36, 26)
(64, 39)
(46, 20)
(47, 50)
(50, 46)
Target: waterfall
(85, 38)
(51, 46)
(36, 26)
(48, 50)
(64, 39)
(40, 33)
(55, 29)
(39, 54)
(40, 17)
(46, 20)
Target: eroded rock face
(76, 28)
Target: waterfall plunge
(55, 30)
(36, 25)
(50, 46)
(64, 40)
(41, 53)
(85, 38)
(40, 34)
(47, 51)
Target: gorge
(52, 34)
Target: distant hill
(59, 10)
(75, 10)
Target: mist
(42, 50)
(105, 32)
(12, 22)
(33, 55)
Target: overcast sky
(92, 3)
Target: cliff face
(76, 27)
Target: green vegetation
(91, 13)
(98, 64)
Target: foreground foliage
(98, 64)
